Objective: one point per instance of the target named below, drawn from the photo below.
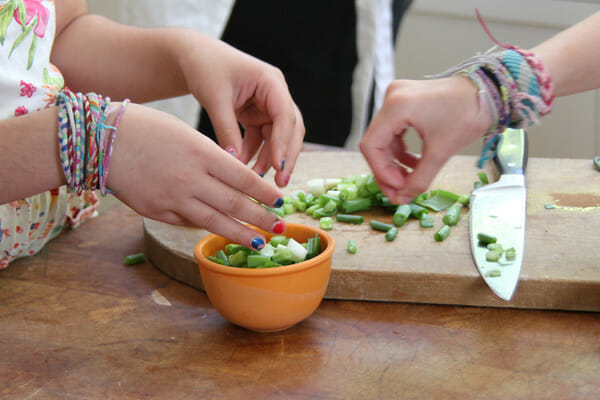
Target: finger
(294, 146)
(419, 180)
(226, 126)
(236, 175)
(251, 144)
(198, 213)
(376, 146)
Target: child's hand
(166, 170)
(235, 87)
(446, 115)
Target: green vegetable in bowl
(279, 251)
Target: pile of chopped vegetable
(280, 250)
(342, 198)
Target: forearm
(96, 54)
(30, 159)
(573, 57)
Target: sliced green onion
(350, 218)
(486, 238)
(380, 226)
(391, 234)
(439, 200)
(360, 204)
(510, 254)
(483, 178)
(351, 247)
(427, 221)
(597, 162)
(442, 233)
(417, 211)
(492, 255)
(496, 247)
(313, 246)
(401, 215)
(452, 215)
(326, 223)
(134, 258)
(495, 273)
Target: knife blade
(499, 210)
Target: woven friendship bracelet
(85, 140)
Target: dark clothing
(313, 42)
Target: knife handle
(511, 152)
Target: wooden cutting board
(561, 269)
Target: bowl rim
(284, 269)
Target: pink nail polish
(231, 150)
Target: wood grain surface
(560, 268)
(78, 324)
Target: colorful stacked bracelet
(512, 82)
(85, 140)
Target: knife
(498, 210)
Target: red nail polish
(278, 227)
(287, 180)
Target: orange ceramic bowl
(270, 299)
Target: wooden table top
(78, 324)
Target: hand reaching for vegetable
(197, 184)
(447, 116)
(242, 89)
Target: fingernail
(282, 164)
(287, 180)
(278, 227)
(231, 150)
(262, 174)
(278, 203)
(258, 243)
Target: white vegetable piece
(297, 249)
(316, 186)
(268, 250)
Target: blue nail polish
(262, 174)
(282, 164)
(278, 202)
(258, 243)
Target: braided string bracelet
(85, 139)
(516, 81)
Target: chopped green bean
(427, 221)
(350, 218)
(391, 234)
(401, 215)
(486, 239)
(380, 226)
(442, 233)
(351, 247)
(326, 223)
(134, 258)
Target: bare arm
(572, 57)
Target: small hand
(166, 170)
(447, 116)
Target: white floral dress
(29, 83)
